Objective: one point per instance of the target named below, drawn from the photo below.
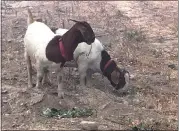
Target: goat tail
(30, 18)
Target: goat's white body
(88, 58)
(36, 39)
(84, 57)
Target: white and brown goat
(49, 49)
(93, 59)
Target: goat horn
(73, 20)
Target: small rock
(102, 127)
(17, 22)
(73, 122)
(89, 125)
(75, 69)
(6, 114)
(76, 94)
(151, 107)
(9, 40)
(3, 91)
(136, 100)
(105, 105)
(174, 75)
(172, 66)
(36, 98)
(5, 101)
(28, 112)
(126, 102)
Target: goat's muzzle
(125, 80)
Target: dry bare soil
(140, 36)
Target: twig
(63, 24)
(116, 122)
(49, 15)
(101, 35)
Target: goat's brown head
(119, 78)
(85, 30)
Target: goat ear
(82, 29)
(115, 76)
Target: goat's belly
(95, 67)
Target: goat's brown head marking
(86, 31)
(119, 78)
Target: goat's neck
(71, 39)
(105, 57)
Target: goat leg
(60, 82)
(83, 80)
(82, 68)
(40, 74)
(83, 83)
(46, 79)
(29, 69)
(89, 75)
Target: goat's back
(90, 54)
(36, 39)
(61, 31)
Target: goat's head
(86, 31)
(119, 78)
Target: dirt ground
(140, 36)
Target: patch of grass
(161, 39)
(162, 124)
(135, 35)
(141, 127)
(75, 112)
(119, 13)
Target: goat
(50, 49)
(97, 61)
